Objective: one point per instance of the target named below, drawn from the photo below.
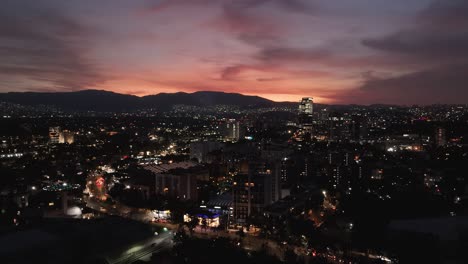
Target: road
(140, 250)
(143, 249)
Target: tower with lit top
(306, 110)
(306, 107)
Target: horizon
(364, 52)
(298, 99)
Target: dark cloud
(160, 6)
(296, 6)
(272, 79)
(239, 5)
(438, 42)
(243, 18)
(446, 15)
(276, 59)
(286, 5)
(322, 56)
(39, 45)
(293, 54)
(440, 32)
(231, 73)
(439, 85)
(424, 45)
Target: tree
(290, 256)
(180, 236)
(204, 223)
(192, 224)
(241, 233)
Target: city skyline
(364, 52)
(234, 131)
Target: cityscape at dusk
(234, 131)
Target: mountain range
(105, 101)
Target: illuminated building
(254, 190)
(440, 137)
(284, 170)
(182, 186)
(306, 107)
(178, 180)
(220, 204)
(211, 220)
(406, 142)
(341, 128)
(231, 130)
(54, 135)
(200, 150)
(359, 128)
(66, 136)
(161, 215)
(306, 110)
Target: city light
(244, 131)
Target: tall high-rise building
(306, 110)
(231, 130)
(358, 128)
(182, 185)
(440, 137)
(255, 189)
(200, 150)
(306, 107)
(54, 135)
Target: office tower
(181, 186)
(306, 110)
(306, 107)
(440, 137)
(284, 170)
(231, 130)
(256, 189)
(358, 128)
(54, 135)
(200, 150)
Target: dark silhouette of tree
(290, 256)
(241, 233)
(192, 224)
(204, 223)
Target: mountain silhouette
(105, 101)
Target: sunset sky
(337, 51)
